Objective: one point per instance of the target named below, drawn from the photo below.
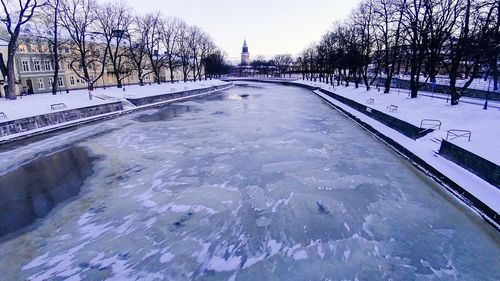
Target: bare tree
(171, 35)
(363, 27)
(207, 47)
(153, 26)
(194, 37)
(185, 52)
(47, 25)
(16, 14)
(88, 58)
(388, 17)
(114, 20)
(283, 62)
(472, 28)
(138, 49)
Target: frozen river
(260, 182)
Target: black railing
(454, 134)
(392, 108)
(56, 106)
(430, 124)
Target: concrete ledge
(40, 121)
(481, 167)
(174, 95)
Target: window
(66, 50)
(41, 86)
(60, 82)
(72, 80)
(36, 65)
(47, 65)
(51, 82)
(25, 65)
(22, 48)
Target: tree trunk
(55, 49)
(11, 74)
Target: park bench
(56, 106)
(3, 115)
(453, 134)
(370, 101)
(392, 108)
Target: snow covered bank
(36, 114)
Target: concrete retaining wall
(175, 95)
(39, 121)
(481, 167)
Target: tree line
(457, 38)
(92, 38)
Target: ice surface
(275, 184)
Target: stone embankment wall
(175, 95)
(53, 118)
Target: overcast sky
(270, 26)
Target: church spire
(245, 46)
(245, 56)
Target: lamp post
(485, 107)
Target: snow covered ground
(477, 83)
(39, 104)
(484, 124)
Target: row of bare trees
(458, 38)
(279, 65)
(94, 39)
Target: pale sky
(270, 26)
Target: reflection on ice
(276, 186)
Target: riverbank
(42, 113)
(423, 152)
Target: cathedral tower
(245, 55)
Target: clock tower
(245, 55)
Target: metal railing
(430, 124)
(454, 134)
(57, 106)
(392, 108)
